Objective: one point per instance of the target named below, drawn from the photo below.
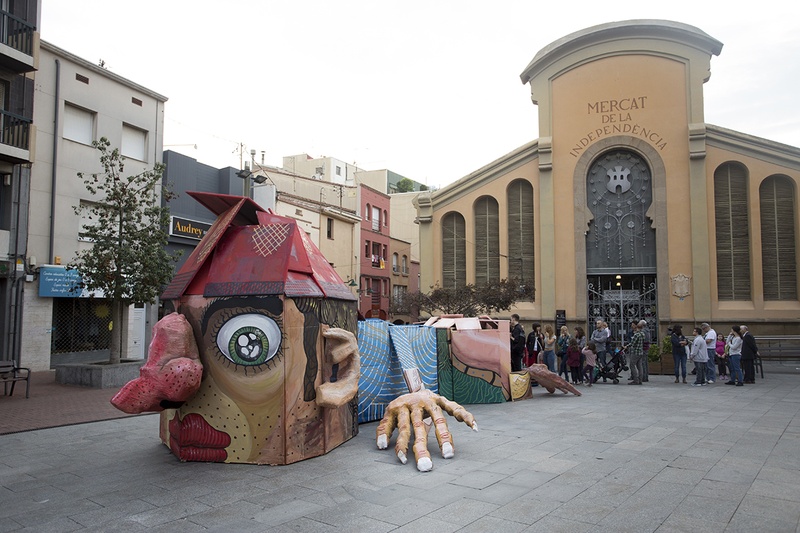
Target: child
(574, 361)
(721, 349)
(699, 354)
(590, 355)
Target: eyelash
(227, 314)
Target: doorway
(620, 299)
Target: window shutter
(778, 254)
(733, 233)
(454, 251)
(487, 241)
(520, 232)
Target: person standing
(710, 337)
(550, 348)
(590, 356)
(574, 361)
(734, 343)
(749, 354)
(534, 344)
(699, 355)
(563, 342)
(517, 343)
(580, 336)
(599, 338)
(646, 349)
(679, 344)
(635, 351)
(721, 354)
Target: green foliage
(655, 351)
(405, 185)
(423, 187)
(471, 300)
(128, 260)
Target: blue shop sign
(58, 282)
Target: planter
(98, 375)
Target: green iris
(249, 346)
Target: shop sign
(191, 229)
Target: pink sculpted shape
(172, 373)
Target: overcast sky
(429, 90)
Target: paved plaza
(659, 457)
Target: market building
(628, 205)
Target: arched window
(454, 251)
(394, 263)
(385, 218)
(367, 212)
(405, 264)
(733, 236)
(778, 254)
(520, 232)
(487, 241)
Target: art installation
(392, 356)
(409, 411)
(474, 358)
(273, 331)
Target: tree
(128, 261)
(405, 185)
(470, 299)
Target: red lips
(192, 439)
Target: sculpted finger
(421, 453)
(457, 411)
(403, 434)
(384, 431)
(443, 435)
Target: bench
(777, 348)
(10, 373)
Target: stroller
(615, 365)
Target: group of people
(714, 357)
(578, 354)
(732, 358)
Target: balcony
(18, 40)
(15, 137)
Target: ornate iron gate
(621, 299)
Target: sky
(427, 89)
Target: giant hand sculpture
(412, 408)
(550, 380)
(172, 373)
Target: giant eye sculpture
(259, 364)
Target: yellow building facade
(629, 205)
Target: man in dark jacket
(517, 343)
(749, 353)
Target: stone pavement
(659, 457)
(52, 404)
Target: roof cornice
(99, 70)
(516, 158)
(619, 31)
(752, 146)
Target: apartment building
(76, 103)
(19, 58)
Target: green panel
(457, 386)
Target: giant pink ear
(172, 373)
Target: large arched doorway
(620, 243)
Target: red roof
(250, 251)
